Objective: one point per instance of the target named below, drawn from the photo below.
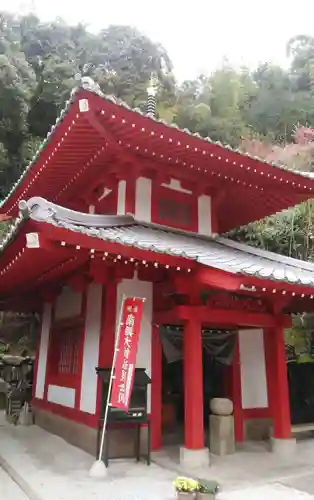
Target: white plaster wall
(43, 351)
(91, 348)
(143, 199)
(68, 304)
(121, 197)
(253, 369)
(136, 288)
(176, 186)
(204, 215)
(64, 396)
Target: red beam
(230, 317)
(215, 278)
(167, 317)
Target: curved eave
(75, 154)
(50, 245)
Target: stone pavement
(47, 468)
(9, 490)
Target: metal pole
(116, 349)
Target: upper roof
(99, 139)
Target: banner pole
(99, 469)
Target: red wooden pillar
(107, 334)
(237, 394)
(156, 391)
(193, 385)
(277, 378)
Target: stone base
(26, 416)
(84, 437)
(221, 436)
(194, 458)
(284, 448)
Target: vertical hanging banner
(129, 333)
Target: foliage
(268, 111)
(38, 65)
(211, 487)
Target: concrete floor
(47, 468)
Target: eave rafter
(162, 172)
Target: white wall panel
(204, 215)
(64, 396)
(143, 199)
(253, 369)
(91, 348)
(68, 304)
(43, 351)
(121, 197)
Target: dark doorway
(301, 390)
(215, 384)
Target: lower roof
(219, 253)
(49, 243)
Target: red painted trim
(251, 413)
(270, 369)
(65, 412)
(237, 395)
(159, 192)
(281, 410)
(214, 215)
(107, 335)
(75, 415)
(193, 385)
(65, 380)
(101, 348)
(49, 353)
(156, 390)
(229, 317)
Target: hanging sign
(129, 332)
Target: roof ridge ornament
(87, 83)
(42, 210)
(151, 97)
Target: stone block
(221, 435)
(26, 416)
(190, 459)
(284, 448)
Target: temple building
(116, 202)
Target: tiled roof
(87, 83)
(219, 253)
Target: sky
(197, 34)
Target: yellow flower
(185, 484)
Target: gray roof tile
(219, 253)
(214, 253)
